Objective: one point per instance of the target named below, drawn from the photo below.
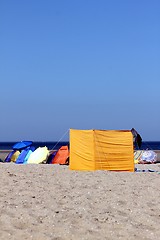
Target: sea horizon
(52, 145)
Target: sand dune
(51, 202)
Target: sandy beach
(52, 202)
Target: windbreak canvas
(81, 150)
(101, 150)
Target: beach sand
(42, 202)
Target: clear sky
(88, 64)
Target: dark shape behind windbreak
(136, 138)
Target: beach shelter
(24, 155)
(149, 156)
(40, 155)
(12, 156)
(101, 150)
(61, 155)
(22, 145)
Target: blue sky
(85, 64)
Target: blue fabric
(24, 155)
(9, 156)
(144, 170)
(22, 145)
(28, 154)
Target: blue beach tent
(9, 156)
(24, 155)
(12, 156)
(22, 145)
(31, 150)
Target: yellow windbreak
(114, 150)
(81, 150)
(101, 150)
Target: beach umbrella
(24, 155)
(39, 155)
(149, 156)
(22, 145)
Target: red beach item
(61, 155)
